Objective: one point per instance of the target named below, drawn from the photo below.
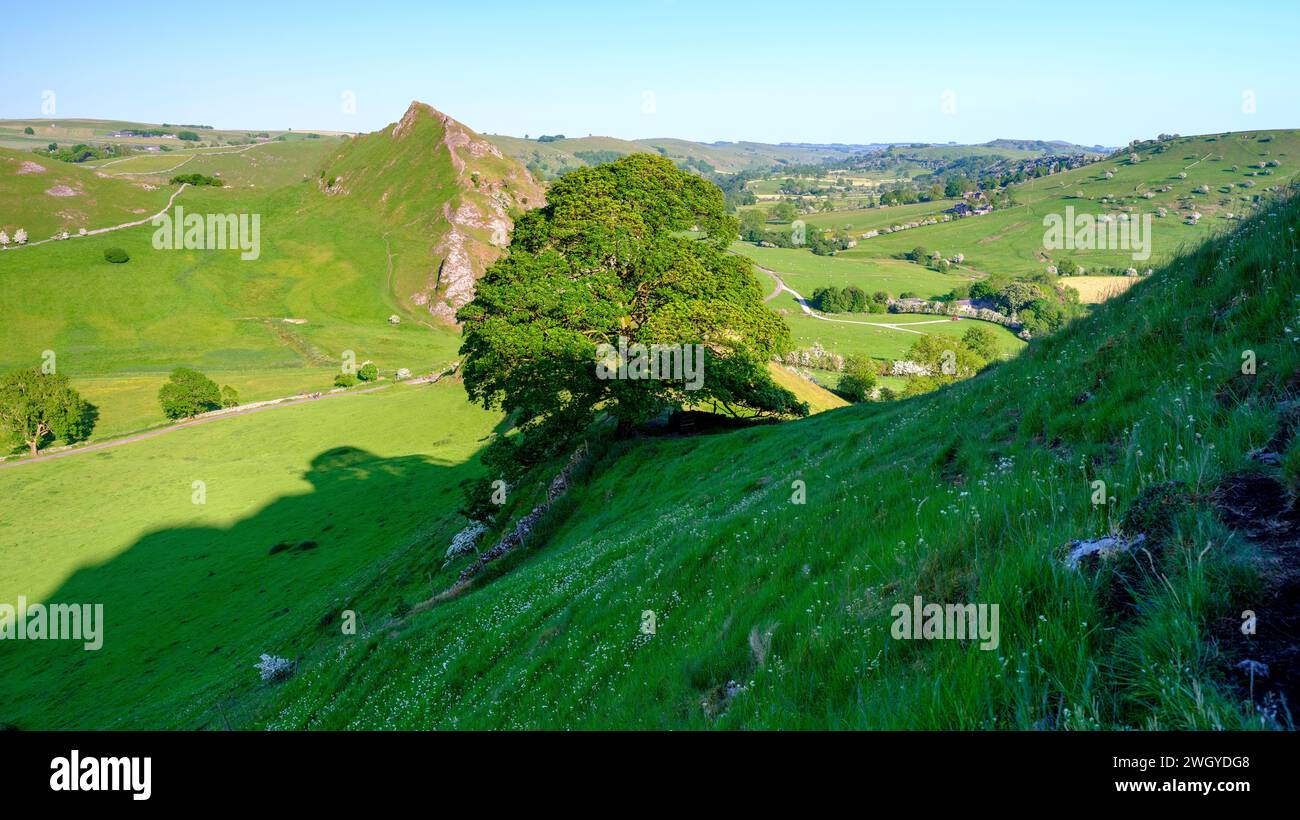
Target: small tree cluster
(188, 393)
(851, 299)
(858, 382)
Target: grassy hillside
(1011, 241)
(770, 558)
(211, 310)
(44, 196)
(441, 189)
(772, 613)
(263, 165)
(351, 233)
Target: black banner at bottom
(131, 770)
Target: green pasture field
(805, 272)
(194, 593)
(1011, 241)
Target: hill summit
(439, 185)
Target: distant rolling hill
(552, 158)
(64, 131)
(549, 157)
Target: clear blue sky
(802, 72)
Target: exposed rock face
(480, 223)
(1089, 552)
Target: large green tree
(188, 393)
(633, 250)
(35, 406)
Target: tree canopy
(632, 250)
(188, 393)
(36, 405)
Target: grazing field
(127, 403)
(44, 196)
(210, 308)
(805, 272)
(194, 593)
(857, 221)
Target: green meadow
(805, 272)
(1010, 241)
(194, 593)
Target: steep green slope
(772, 613)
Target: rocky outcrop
(403, 172)
(480, 223)
(524, 526)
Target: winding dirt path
(98, 231)
(808, 309)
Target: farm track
(198, 152)
(99, 231)
(268, 404)
(807, 309)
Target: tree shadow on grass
(188, 611)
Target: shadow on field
(188, 611)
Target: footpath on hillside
(216, 415)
